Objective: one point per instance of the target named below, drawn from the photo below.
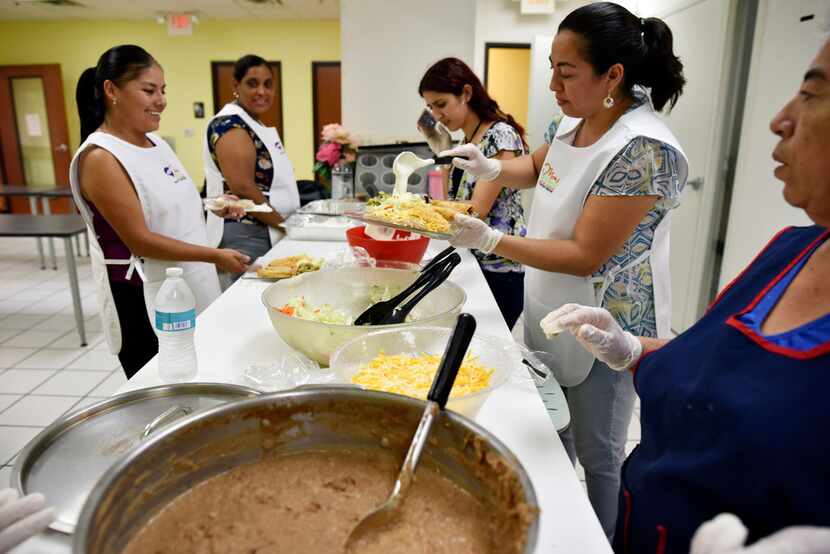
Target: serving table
(234, 333)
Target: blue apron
(731, 421)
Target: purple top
(113, 248)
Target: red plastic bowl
(399, 250)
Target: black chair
(311, 190)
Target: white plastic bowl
(417, 340)
(348, 289)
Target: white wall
(782, 50)
(386, 48)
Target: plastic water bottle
(175, 327)
(342, 181)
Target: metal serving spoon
(454, 354)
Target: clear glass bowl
(348, 289)
(417, 340)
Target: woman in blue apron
(244, 157)
(599, 224)
(734, 410)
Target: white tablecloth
(235, 332)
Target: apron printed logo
(174, 174)
(548, 177)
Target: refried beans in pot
(309, 501)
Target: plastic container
(436, 184)
(175, 327)
(342, 181)
(417, 340)
(411, 250)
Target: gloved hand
(725, 534)
(438, 137)
(597, 331)
(471, 232)
(477, 164)
(21, 518)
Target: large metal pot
(202, 446)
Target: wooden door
(33, 133)
(325, 86)
(222, 77)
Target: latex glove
(726, 534)
(471, 232)
(477, 164)
(597, 331)
(438, 137)
(21, 518)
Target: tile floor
(44, 372)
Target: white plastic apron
(565, 179)
(283, 195)
(171, 207)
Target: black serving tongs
(377, 314)
(440, 274)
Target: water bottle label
(176, 321)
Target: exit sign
(179, 24)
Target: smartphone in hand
(426, 120)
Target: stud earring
(114, 101)
(608, 102)
(235, 95)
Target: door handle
(61, 148)
(696, 183)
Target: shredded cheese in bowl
(412, 375)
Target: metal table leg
(48, 211)
(33, 209)
(73, 286)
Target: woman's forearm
(517, 173)
(651, 344)
(560, 256)
(161, 247)
(252, 192)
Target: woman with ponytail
(458, 101)
(599, 228)
(140, 206)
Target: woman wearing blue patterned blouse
(244, 157)
(458, 100)
(599, 227)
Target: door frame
(12, 160)
(489, 45)
(215, 90)
(315, 118)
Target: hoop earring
(608, 102)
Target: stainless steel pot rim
(306, 391)
(43, 440)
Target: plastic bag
(293, 370)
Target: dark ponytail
(450, 75)
(119, 64)
(612, 34)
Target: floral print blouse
(507, 214)
(264, 170)
(645, 167)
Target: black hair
(611, 34)
(119, 64)
(246, 62)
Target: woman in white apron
(599, 228)
(140, 206)
(246, 158)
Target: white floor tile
(98, 360)
(86, 402)
(31, 295)
(6, 334)
(71, 383)
(13, 439)
(12, 306)
(60, 322)
(49, 358)
(21, 321)
(37, 410)
(72, 339)
(112, 384)
(5, 476)
(11, 356)
(22, 381)
(7, 400)
(33, 339)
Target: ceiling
(150, 9)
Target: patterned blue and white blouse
(507, 214)
(263, 170)
(645, 167)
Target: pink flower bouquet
(337, 144)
